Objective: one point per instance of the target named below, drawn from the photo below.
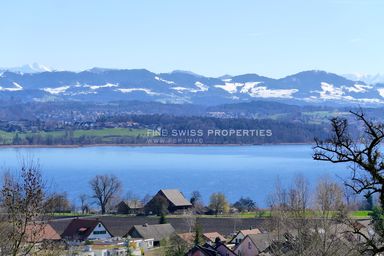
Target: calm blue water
(236, 171)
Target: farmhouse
(171, 199)
(86, 229)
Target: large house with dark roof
(156, 232)
(172, 199)
(86, 229)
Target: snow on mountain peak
(29, 68)
(17, 87)
(366, 78)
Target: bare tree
(146, 199)
(351, 199)
(297, 230)
(195, 197)
(23, 201)
(329, 232)
(84, 203)
(363, 154)
(197, 202)
(329, 197)
(298, 196)
(290, 203)
(189, 220)
(133, 199)
(105, 188)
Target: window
(101, 232)
(249, 245)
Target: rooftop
(157, 232)
(175, 197)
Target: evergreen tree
(162, 220)
(198, 233)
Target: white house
(86, 229)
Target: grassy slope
(104, 133)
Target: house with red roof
(41, 232)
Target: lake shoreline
(147, 169)
(151, 145)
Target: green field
(105, 134)
(7, 136)
(267, 214)
(361, 214)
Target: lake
(235, 170)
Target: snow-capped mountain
(99, 84)
(29, 68)
(366, 78)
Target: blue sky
(273, 38)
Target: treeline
(280, 131)
(164, 129)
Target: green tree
(162, 219)
(16, 139)
(245, 205)
(198, 233)
(218, 203)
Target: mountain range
(40, 84)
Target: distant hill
(180, 87)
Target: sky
(209, 37)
